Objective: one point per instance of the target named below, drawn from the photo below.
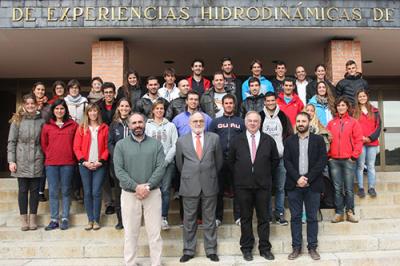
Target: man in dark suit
(198, 159)
(253, 157)
(305, 158)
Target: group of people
(206, 139)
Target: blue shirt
(181, 122)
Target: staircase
(375, 240)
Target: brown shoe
(338, 218)
(24, 222)
(350, 217)
(96, 226)
(89, 226)
(295, 253)
(314, 254)
(32, 222)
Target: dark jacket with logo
(227, 128)
(349, 86)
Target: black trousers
(31, 186)
(225, 178)
(248, 200)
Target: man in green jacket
(139, 166)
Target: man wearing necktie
(198, 159)
(253, 157)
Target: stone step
(384, 226)
(362, 213)
(173, 248)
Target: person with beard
(178, 105)
(305, 158)
(233, 85)
(196, 81)
(198, 159)
(276, 124)
(139, 164)
(145, 104)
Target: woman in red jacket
(346, 146)
(57, 139)
(90, 147)
(370, 121)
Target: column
(337, 53)
(110, 61)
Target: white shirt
(169, 95)
(257, 137)
(194, 137)
(302, 90)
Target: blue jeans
(311, 200)
(367, 157)
(59, 176)
(92, 182)
(166, 188)
(342, 174)
(278, 181)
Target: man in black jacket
(351, 83)
(227, 127)
(305, 158)
(211, 100)
(144, 105)
(252, 158)
(178, 105)
(255, 102)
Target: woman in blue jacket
(324, 103)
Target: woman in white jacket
(161, 129)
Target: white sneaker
(237, 222)
(218, 223)
(164, 224)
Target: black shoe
(186, 258)
(213, 257)
(52, 225)
(372, 192)
(119, 225)
(281, 219)
(42, 197)
(247, 255)
(267, 255)
(361, 193)
(110, 210)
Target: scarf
(322, 100)
(41, 102)
(77, 100)
(95, 96)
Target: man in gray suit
(199, 158)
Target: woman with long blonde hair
(25, 158)
(90, 147)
